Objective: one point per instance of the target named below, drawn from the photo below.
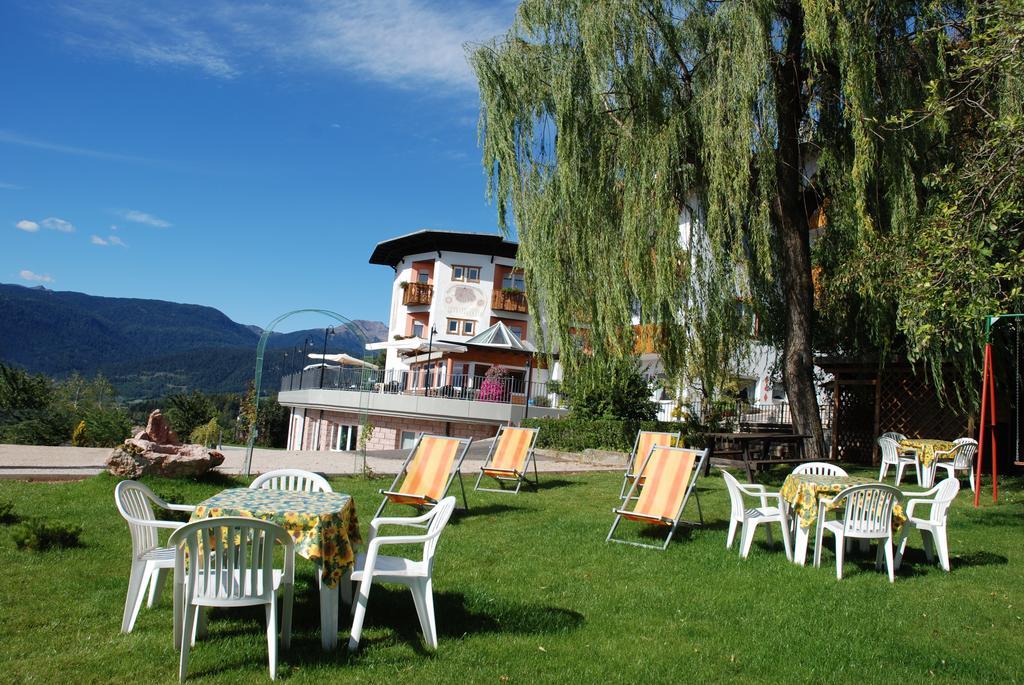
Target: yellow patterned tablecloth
(926, 448)
(803, 490)
(322, 524)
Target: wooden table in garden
(802, 492)
(925, 450)
(322, 524)
(750, 457)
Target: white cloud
(10, 186)
(96, 240)
(109, 240)
(406, 43)
(55, 224)
(13, 138)
(143, 218)
(27, 226)
(34, 277)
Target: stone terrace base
(319, 432)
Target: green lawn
(527, 591)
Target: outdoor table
(322, 524)
(748, 439)
(924, 450)
(802, 492)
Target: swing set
(987, 422)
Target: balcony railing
(508, 390)
(510, 301)
(417, 293)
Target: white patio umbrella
(343, 359)
(416, 345)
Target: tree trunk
(794, 251)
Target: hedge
(575, 435)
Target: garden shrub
(573, 434)
(7, 515)
(609, 388)
(39, 535)
(206, 434)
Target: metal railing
(740, 415)
(508, 389)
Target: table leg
(746, 461)
(328, 613)
(800, 544)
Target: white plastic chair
(932, 527)
(894, 436)
(964, 451)
(229, 562)
(150, 562)
(750, 519)
(820, 468)
(891, 456)
(867, 516)
(416, 575)
(292, 480)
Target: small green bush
(39, 535)
(7, 515)
(571, 434)
(206, 434)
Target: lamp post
(323, 361)
(430, 348)
(302, 360)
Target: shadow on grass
(553, 483)
(482, 510)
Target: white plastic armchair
(867, 515)
(894, 436)
(892, 456)
(417, 575)
(750, 518)
(932, 526)
(229, 562)
(820, 468)
(964, 450)
(150, 562)
(292, 480)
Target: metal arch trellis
(987, 422)
(338, 318)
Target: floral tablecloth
(926, 449)
(322, 524)
(803, 490)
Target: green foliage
(7, 515)
(606, 387)
(271, 424)
(186, 412)
(39, 535)
(573, 434)
(207, 434)
(29, 411)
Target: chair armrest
(757, 487)
(155, 523)
(180, 507)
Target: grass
(527, 591)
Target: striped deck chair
(509, 459)
(428, 472)
(645, 440)
(671, 473)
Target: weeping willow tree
(668, 157)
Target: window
(461, 327)
(423, 277)
(345, 438)
(417, 328)
(514, 281)
(408, 440)
(469, 274)
(517, 331)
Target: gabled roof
(390, 252)
(499, 336)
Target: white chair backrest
(890, 450)
(735, 496)
(966, 448)
(894, 436)
(135, 502)
(945, 494)
(292, 480)
(229, 559)
(439, 516)
(820, 468)
(869, 509)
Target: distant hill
(148, 347)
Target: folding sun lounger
(428, 472)
(670, 474)
(645, 440)
(509, 459)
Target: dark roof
(390, 252)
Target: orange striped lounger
(509, 459)
(645, 440)
(428, 472)
(670, 474)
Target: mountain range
(149, 348)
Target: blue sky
(246, 156)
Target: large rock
(140, 457)
(158, 430)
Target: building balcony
(509, 301)
(417, 293)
